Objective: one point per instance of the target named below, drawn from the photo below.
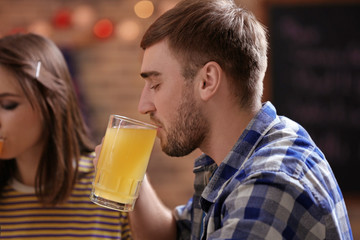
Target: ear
(210, 80)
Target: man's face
(171, 102)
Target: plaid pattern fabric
(274, 184)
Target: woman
(46, 159)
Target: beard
(188, 129)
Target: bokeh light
(41, 27)
(103, 28)
(144, 9)
(83, 16)
(62, 18)
(17, 30)
(128, 30)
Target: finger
(97, 152)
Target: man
(261, 176)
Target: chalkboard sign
(315, 66)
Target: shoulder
(289, 163)
(88, 155)
(86, 162)
(285, 157)
(287, 148)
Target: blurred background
(313, 75)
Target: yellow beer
(122, 163)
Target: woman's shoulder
(86, 162)
(88, 155)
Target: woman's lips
(1, 144)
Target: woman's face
(20, 124)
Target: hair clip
(38, 70)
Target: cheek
(166, 107)
(24, 130)
(169, 98)
(34, 126)
(28, 121)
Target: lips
(156, 122)
(1, 144)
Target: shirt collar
(85, 166)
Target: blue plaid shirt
(274, 184)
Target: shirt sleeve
(183, 218)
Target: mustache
(155, 120)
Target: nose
(146, 103)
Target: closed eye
(9, 106)
(155, 86)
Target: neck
(27, 165)
(226, 128)
(26, 172)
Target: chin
(162, 143)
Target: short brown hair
(199, 31)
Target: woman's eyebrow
(6, 94)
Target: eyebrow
(149, 74)
(9, 95)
